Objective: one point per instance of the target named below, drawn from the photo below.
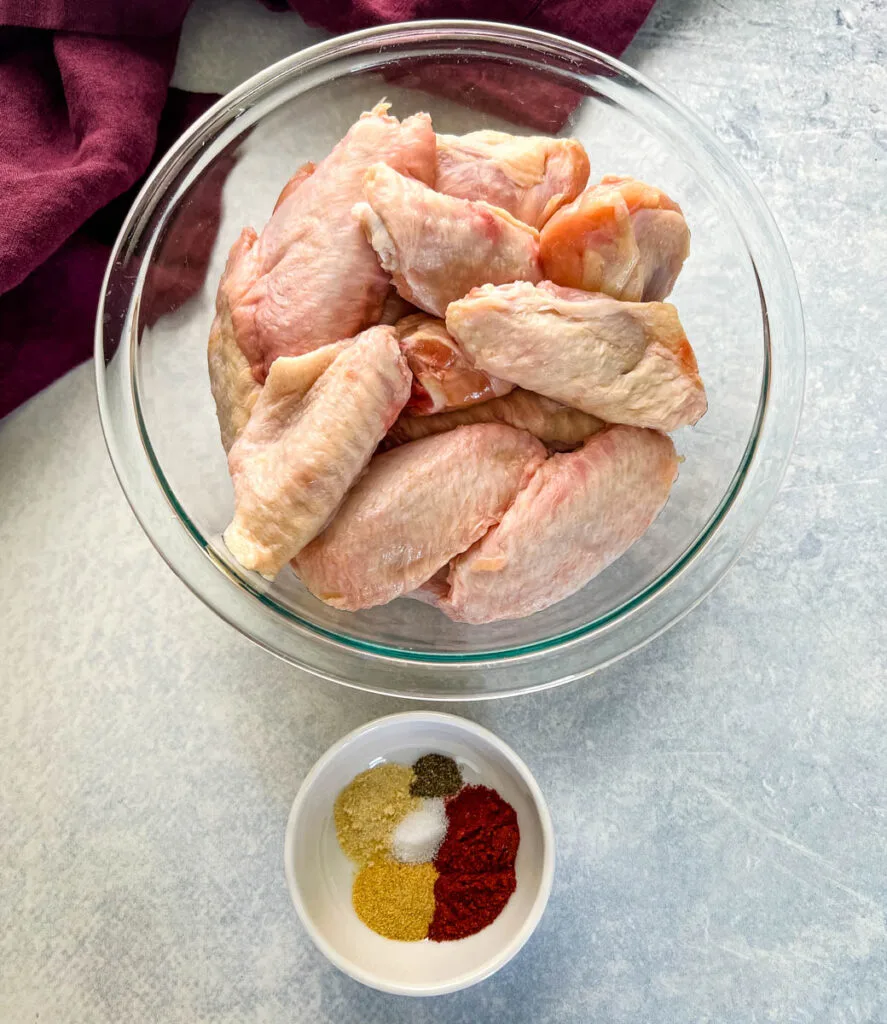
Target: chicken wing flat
(529, 176)
(414, 509)
(625, 362)
(437, 248)
(302, 449)
(312, 279)
(578, 513)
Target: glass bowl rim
(261, 86)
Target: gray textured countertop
(720, 798)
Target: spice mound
(369, 808)
(475, 864)
(418, 836)
(436, 775)
(396, 900)
(435, 857)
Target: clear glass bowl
(737, 299)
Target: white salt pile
(418, 836)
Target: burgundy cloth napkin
(607, 25)
(85, 108)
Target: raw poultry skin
(234, 385)
(231, 379)
(625, 362)
(395, 308)
(305, 444)
(577, 515)
(414, 509)
(620, 237)
(529, 176)
(312, 279)
(557, 426)
(442, 377)
(437, 248)
(302, 174)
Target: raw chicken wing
(437, 248)
(305, 445)
(620, 237)
(432, 591)
(578, 514)
(529, 176)
(559, 427)
(625, 362)
(442, 376)
(416, 508)
(395, 308)
(312, 278)
(231, 378)
(303, 173)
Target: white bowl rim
(517, 942)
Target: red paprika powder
(475, 863)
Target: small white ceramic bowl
(320, 876)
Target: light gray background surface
(720, 798)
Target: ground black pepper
(435, 775)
